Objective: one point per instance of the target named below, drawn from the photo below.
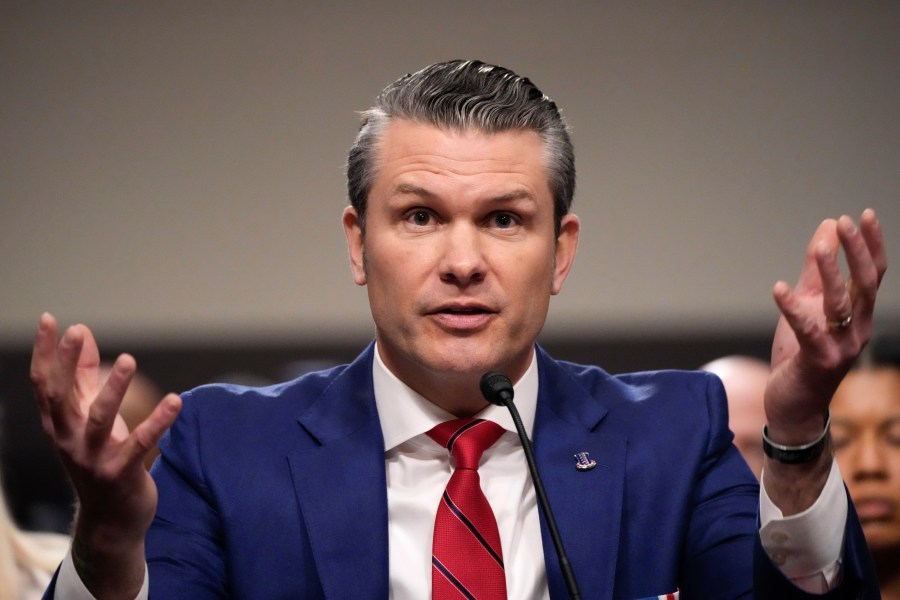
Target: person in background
(744, 378)
(27, 559)
(865, 424)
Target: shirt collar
(405, 414)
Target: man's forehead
(405, 144)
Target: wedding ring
(841, 323)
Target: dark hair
(885, 350)
(465, 94)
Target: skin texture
(810, 354)
(459, 257)
(116, 495)
(138, 403)
(865, 424)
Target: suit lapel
(587, 504)
(339, 481)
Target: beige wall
(173, 170)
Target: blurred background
(171, 174)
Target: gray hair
(461, 95)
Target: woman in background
(865, 425)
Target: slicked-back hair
(463, 95)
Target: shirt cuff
(807, 546)
(70, 587)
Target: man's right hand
(116, 495)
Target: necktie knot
(466, 439)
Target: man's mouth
(463, 318)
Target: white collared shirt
(417, 473)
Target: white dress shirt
(806, 547)
(418, 469)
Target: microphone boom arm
(497, 389)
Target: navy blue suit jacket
(280, 492)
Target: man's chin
(469, 360)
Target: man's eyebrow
(410, 189)
(520, 194)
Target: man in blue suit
(459, 225)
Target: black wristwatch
(796, 455)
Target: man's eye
(420, 217)
(504, 220)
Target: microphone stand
(497, 389)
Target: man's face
(459, 253)
(865, 425)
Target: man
(745, 379)
(460, 184)
(866, 424)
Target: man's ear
(566, 244)
(355, 244)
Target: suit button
(779, 537)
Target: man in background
(745, 379)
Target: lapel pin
(584, 462)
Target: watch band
(795, 455)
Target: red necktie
(466, 559)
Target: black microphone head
(497, 388)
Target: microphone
(498, 389)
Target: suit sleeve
(721, 536)
(856, 579)
(722, 523)
(184, 546)
(723, 533)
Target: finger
(147, 435)
(872, 233)
(61, 399)
(805, 328)
(863, 273)
(87, 377)
(43, 352)
(103, 411)
(42, 356)
(836, 303)
(825, 234)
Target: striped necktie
(466, 559)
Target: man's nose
(462, 258)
